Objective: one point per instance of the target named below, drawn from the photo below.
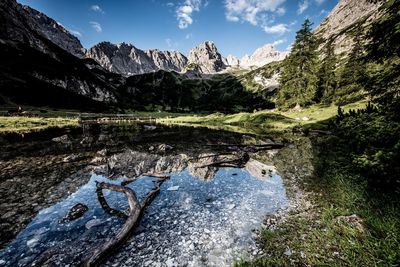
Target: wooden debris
(136, 210)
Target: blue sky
(237, 27)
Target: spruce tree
(350, 87)
(299, 79)
(383, 58)
(327, 78)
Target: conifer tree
(383, 58)
(350, 82)
(327, 78)
(299, 79)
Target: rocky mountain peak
(261, 56)
(206, 57)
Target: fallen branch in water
(269, 145)
(209, 156)
(136, 210)
(237, 162)
(105, 206)
(156, 175)
(251, 148)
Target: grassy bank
(354, 216)
(25, 124)
(275, 120)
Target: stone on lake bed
(93, 223)
(173, 188)
(230, 206)
(75, 212)
(32, 242)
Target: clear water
(202, 223)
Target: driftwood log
(136, 210)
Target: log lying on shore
(136, 210)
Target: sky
(237, 27)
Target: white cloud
(168, 42)
(278, 42)
(170, 4)
(276, 29)
(302, 7)
(281, 11)
(252, 11)
(76, 33)
(185, 11)
(97, 8)
(189, 36)
(96, 26)
(319, 1)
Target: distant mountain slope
(36, 71)
(347, 16)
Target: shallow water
(194, 221)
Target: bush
(372, 140)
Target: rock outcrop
(343, 20)
(207, 58)
(128, 60)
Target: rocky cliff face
(206, 58)
(128, 60)
(168, 60)
(340, 24)
(262, 56)
(53, 31)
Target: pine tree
(327, 78)
(383, 57)
(299, 79)
(350, 87)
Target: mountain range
(44, 64)
(126, 59)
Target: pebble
(93, 223)
(173, 188)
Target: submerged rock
(93, 223)
(173, 188)
(259, 170)
(75, 212)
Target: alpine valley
(121, 155)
